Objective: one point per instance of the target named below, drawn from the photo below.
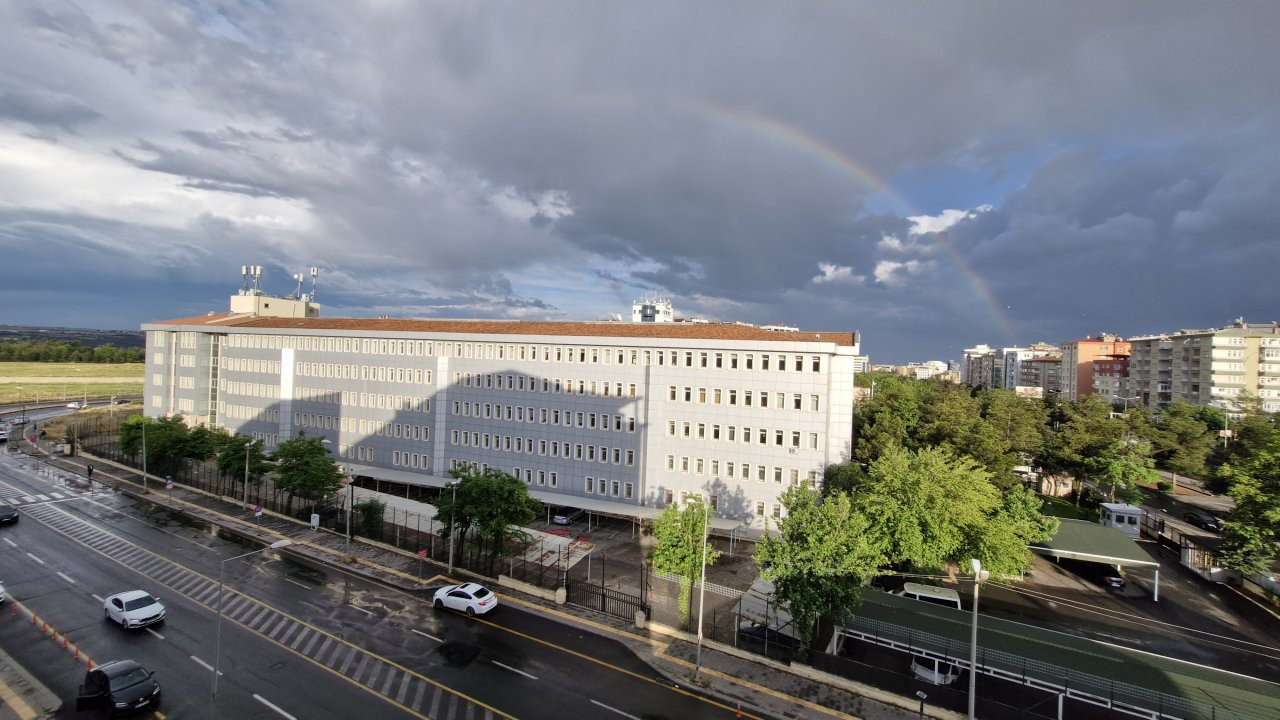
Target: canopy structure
(1091, 542)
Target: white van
(931, 594)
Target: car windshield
(139, 603)
(6, 509)
(128, 679)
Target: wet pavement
(744, 682)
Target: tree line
(63, 351)
(930, 482)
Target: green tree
(242, 459)
(305, 470)
(680, 536)
(1122, 468)
(369, 514)
(824, 552)
(889, 418)
(927, 505)
(1187, 441)
(1085, 430)
(1001, 543)
(167, 441)
(1251, 538)
(489, 502)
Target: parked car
(1203, 520)
(77, 405)
(772, 642)
(8, 514)
(133, 609)
(119, 686)
(934, 671)
(567, 516)
(471, 598)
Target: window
(759, 509)
(590, 485)
(628, 490)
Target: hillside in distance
(85, 336)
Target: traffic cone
(77, 655)
(90, 667)
(64, 642)
(739, 715)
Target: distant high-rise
(1077, 363)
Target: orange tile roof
(671, 331)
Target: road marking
(428, 635)
(357, 607)
(153, 632)
(614, 709)
(98, 597)
(295, 582)
(64, 576)
(508, 667)
(11, 543)
(203, 664)
(33, 557)
(264, 701)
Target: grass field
(45, 382)
(1063, 508)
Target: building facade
(1211, 367)
(979, 367)
(1077, 363)
(1011, 359)
(623, 418)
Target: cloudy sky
(933, 175)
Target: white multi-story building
(622, 418)
(979, 367)
(1012, 358)
(1216, 367)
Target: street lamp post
(973, 639)
(351, 500)
(922, 695)
(144, 454)
(453, 511)
(702, 591)
(217, 643)
(246, 472)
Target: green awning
(1084, 540)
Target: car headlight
(122, 705)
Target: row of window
(544, 416)
(717, 396)
(556, 386)
(574, 354)
(254, 365)
(548, 448)
(356, 452)
(740, 470)
(262, 390)
(775, 509)
(351, 398)
(732, 433)
(373, 373)
(247, 412)
(415, 461)
(404, 431)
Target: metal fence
(604, 599)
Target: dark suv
(1203, 520)
(119, 686)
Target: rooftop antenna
(314, 272)
(256, 272)
(244, 280)
(297, 292)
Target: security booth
(1123, 516)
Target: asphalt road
(297, 641)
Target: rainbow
(829, 156)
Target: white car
(3, 595)
(77, 405)
(471, 598)
(133, 609)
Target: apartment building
(1012, 358)
(1111, 379)
(1040, 376)
(979, 367)
(1213, 367)
(1077, 363)
(623, 418)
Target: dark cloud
(558, 160)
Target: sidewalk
(758, 686)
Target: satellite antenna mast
(244, 279)
(297, 292)
(256, 271)
(314, 272)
